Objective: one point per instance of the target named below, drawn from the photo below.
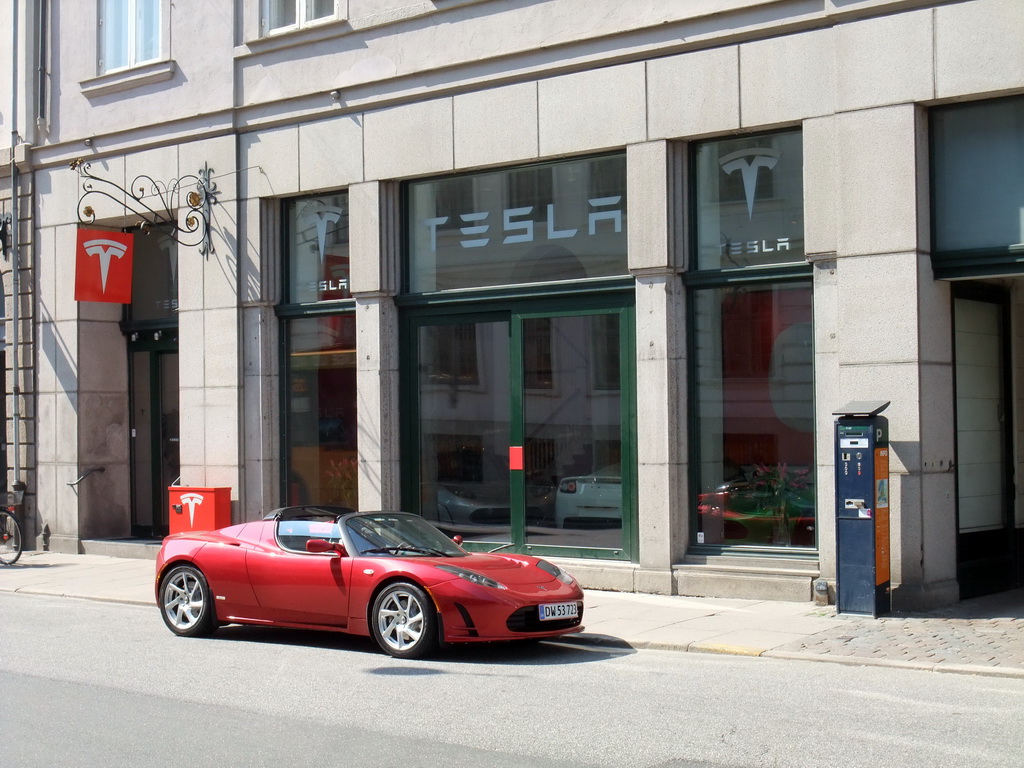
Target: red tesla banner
(103, 266)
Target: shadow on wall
(55, 350)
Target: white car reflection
(590, 501)
(480, 504)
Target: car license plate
(551, 611)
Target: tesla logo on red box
(103, 266)
(191, 500)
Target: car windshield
(399, 534)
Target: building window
(749, 200)
(451, 356)
(553, 222)
(281, 15)
(318, 268)
(978, 187)
(130, 33)
(755, 415)
(752, 354)
(154, 280)
(319, 370)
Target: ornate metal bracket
(155, 203)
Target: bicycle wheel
(10, 538)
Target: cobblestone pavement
(969, 637)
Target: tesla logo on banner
(192, 500)
(103, 266)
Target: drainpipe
(15, 345)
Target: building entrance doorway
(155, 445)
(151, 328)
(984, 463)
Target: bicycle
(10, 537)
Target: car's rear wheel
(185, 602)
(404, 622)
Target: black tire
(10, 538)
(403, 621)
(185, 602)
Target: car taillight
(567, 486)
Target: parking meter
(863, 583)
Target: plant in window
(778, 489)
(342, 482)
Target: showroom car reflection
(742, 512)
(590, 501)
(480, 504)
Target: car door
(297, 587)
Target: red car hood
(512, 570)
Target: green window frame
(318, 428)
(745, 493)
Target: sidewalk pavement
(984, 636)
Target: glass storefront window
(559, 221)
(755, 415)
(978, 187)
(750, 201)
(321, 410)
(318, 259)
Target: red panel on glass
(515, 457)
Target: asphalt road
(96, 684)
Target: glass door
(571, 392)
(155, 443)
(464, 428)
(518, 429)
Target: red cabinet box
(199, 509)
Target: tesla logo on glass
(520, 222)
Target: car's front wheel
(404, 622)
(185, 602)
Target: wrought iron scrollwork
(155, 203)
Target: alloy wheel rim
(400, 620)
(183, 600)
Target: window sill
(127, 79)
(288, 37)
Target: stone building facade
(576, 277)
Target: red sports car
(389, 575)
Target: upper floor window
(130, 33)
(294, 14)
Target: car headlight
(555, 571)
(471, 576)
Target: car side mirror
(318, 546)
(457, 539)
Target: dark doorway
(154, 431)
(984, 464)
(151, 327)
